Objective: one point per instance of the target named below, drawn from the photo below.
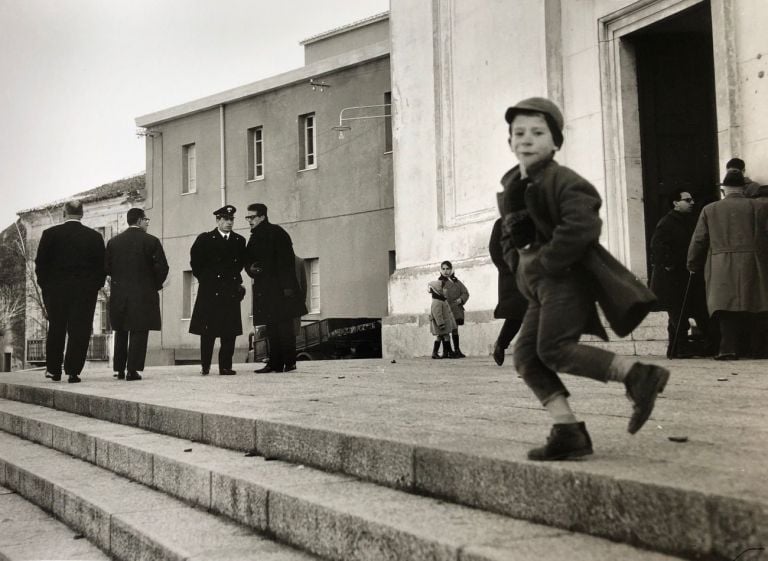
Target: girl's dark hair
(446, 263)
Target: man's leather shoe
(266, 370)
(133, 376)
(726, 356)
(290, 367)
(565, 441)
(205, 371)
(226, 372)
(120, 375)
(498, 355)
(644, 382)
(74, 379)
(54, 377)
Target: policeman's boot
(457, 352)
(435, 349)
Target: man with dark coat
(730, 248)
(136, 263)
(70, 271)
(670, 277)
(217, 260)
(277, 296)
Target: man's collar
(224, 234)
(73, 220)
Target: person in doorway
(70, 271)
(511, 304)
(751, 188)
(551, 216)
(456, 294)
(217, 258)
(441, 320)
(278, 300)
(670, 280)
(730, 249)
(137, 267)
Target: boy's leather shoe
(498, 355)
(131, 376)
(120, 375)
(565, 441)
(54, 377)
(74, 379)
(644, 382)
(726, 356)
(205, 370)
(266, 370)
(435, 355)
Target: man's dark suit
(136, 263)
(70, 271)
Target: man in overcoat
(670, 277)
(136, 264)
(730, 248)
(70, 271)
(216, 258)
(277, 296)
(551, 218)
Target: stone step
(331, 515)
(125, 519)
(27, 532)
(460, 432)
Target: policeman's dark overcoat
(216, 264)
(277, 295)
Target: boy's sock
(560, 410)
(619, 367)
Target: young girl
(457, 295)
(441, 322)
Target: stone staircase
(143, 480)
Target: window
(255, 153)
(392, 262)
(190, 294)
(307, 141)
(189, 171)
(388, 122)
(313, 287)
(104, 316)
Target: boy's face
(531, 139)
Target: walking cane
(680, 317)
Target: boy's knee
(553, 356)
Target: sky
(75, 74)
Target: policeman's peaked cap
(227, 211)
(551, 113)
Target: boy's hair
(736, 163)
(676, 194)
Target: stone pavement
(692, 482)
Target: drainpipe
(223, 161)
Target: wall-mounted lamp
(318, 85)
(342, 127)
(148, 132)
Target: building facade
(657, 95)
(104, 210)
(273, 142)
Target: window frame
(388, 142)
(189, 170)
(255, 148)
(307, 137)
(313, 288)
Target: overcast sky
(74, 74)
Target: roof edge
(344, 28)
(314, 70)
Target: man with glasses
(136, 264)
(277, 296)
(217, 260)
(669, 279)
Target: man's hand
(459, 301)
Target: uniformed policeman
(217, 260)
